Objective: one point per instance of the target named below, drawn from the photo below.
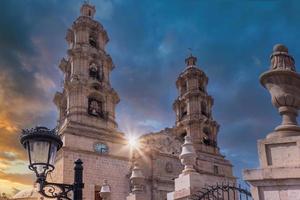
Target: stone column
(278, 177)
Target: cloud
(44, 82)
(10, 156)
(24, 179)
(17, 111)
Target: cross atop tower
(87, 10)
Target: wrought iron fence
(223, 192)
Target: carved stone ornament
(281, 60)
(164, 144)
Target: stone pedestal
(137, 196)
(279, 175)
(185, 186)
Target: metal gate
(223, 192)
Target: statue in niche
(95, 72)
(95, 107)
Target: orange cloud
(17, 110)
(24, 179)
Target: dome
(27, 194)
(280, 48)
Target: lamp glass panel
(53, 151)
(39, 151)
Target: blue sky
(149, 41)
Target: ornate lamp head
(41, 145)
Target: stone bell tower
(193, 108)
(87, 111)
(87, 96)
(204, 165)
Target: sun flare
(133, 142)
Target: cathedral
(90, 132)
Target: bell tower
(87, 96)
(86, 108)
(193, 108)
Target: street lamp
(41, 145)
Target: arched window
(183, 88)
(206, 131)
(93, 41)
(182, 136)
(95, 72)
(216, 169)
(200, 86)
(206, 140)
(203, 109)
(183, 110)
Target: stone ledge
(272, 173)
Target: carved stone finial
(281, 60)
(105, 190)
(188, 155)
(283, 83)
(137, 178)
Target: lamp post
(41, 145)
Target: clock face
(101, 148)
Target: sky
(149, 41)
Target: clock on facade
(101, 148)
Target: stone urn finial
(283, 83)
(137, 178)
(105, 190)
(188, 155)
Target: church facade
(89, 131)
